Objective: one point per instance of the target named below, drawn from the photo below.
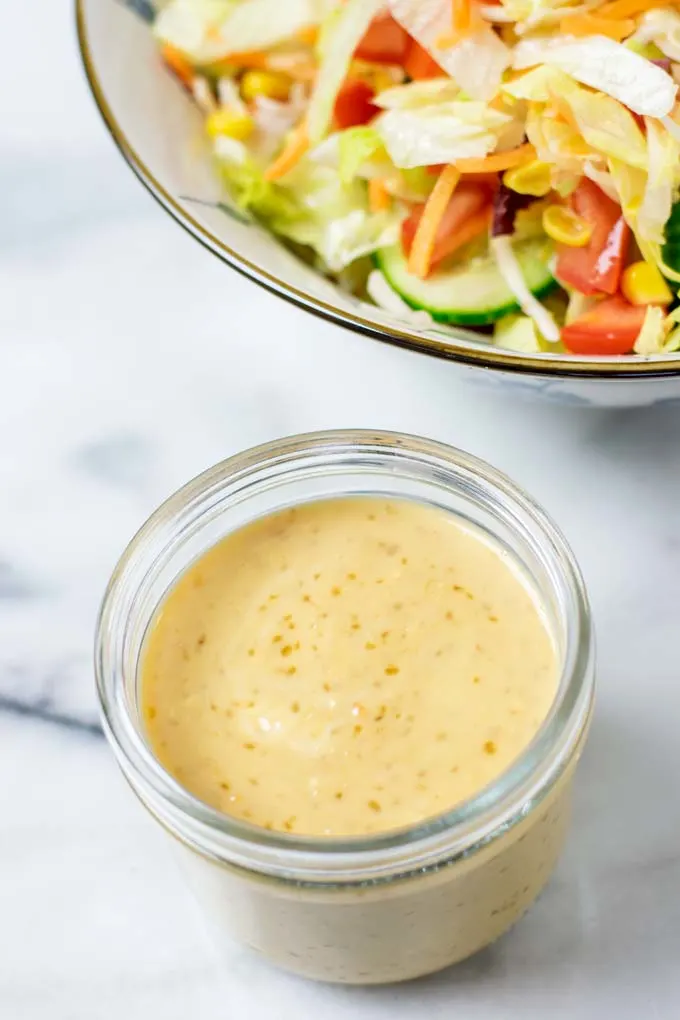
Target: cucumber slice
(473, 293)
(670, 253)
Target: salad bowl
(159, 129)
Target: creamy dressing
(346, 667)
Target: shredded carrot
(497, 160)
(294, 149)
(425, 236)
(247, 58)
(178, 64)
(591, 24)
(464, 20)
(308, 35)
(461, 16)
(378, 195)
(629, 8)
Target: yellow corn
(230, 123)
(565, 226)
(531, 178)
(270, 84)
(643, 284)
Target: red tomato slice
(611, 327)
(385, 42)
(354, 105)
(467, 202)
(419, 65)
(595, 268)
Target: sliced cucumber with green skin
(473, 293)
(670, 253)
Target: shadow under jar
(392, 905)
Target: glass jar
(398, 904)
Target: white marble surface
(130, 359)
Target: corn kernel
(531, 178)
(270, 84)
(565, 226)
(643, 284)
(227, 122)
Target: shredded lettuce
(517, 333)
(355, 146)
(663, 181)
(207, 30)
(418, 94)
(605, 125)
(315, 208)
(606, 65)
(440, 133)
(510, 270)
(349, 24)
(661, 27)
(476, 63)
(652, 336)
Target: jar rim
(323, 860)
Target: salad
(512, 165)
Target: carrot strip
(178, 64)
(629, 8)
(461, 16)
(591, 24)
(247, 58)
(420, 255)
(308, 35)
(378, 195)
(497, 160)
(292, 153)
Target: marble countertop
(130, 359)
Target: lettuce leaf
(476, 63)
(355, 146)
(606, 125)
(440, 133)
(606, 65)
(661, 27)
(663, 181)
(315, 208)
(337, 46)
(652, 336)
(207, 30)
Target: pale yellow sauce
(345, 667)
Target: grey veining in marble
(130, 360)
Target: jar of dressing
(273, 658)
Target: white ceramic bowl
(159, 131)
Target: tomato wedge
(385, 42)
(419, 65)
(469, 202)
(354, 105)
(610, 327)
(595, 268)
